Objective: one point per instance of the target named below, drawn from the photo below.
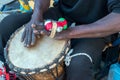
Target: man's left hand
(38, 30)
(65, 34)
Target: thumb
(58, 37)
(44, 32)
(37, 27)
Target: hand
(40, 30)
(67, 34)
(28, 37)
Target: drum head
(45, 51)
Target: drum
(44, 61)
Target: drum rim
(24, 71)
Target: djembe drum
(44, 61)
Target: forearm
(101, 28)
(41, 7)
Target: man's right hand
(28, 37)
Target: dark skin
(108, 25)
(28, 37)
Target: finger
(59, 36)
(44, 32)
(23, 35)
(38, 27)
(33, 25)
(41, 23)
(29, 38)
(26, 38)
(36, 32)
(38, 36)
(33, 39)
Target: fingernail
(32, 43)
(33, 25)
(35, 31)
(41, 32)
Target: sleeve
(114, 6)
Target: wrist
(37, 16)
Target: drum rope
(52, 73)
(27, 77)
(30, 77)
(61, 64)
(56, 71)
(21, 78)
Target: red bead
(48, 26)
(61, 23)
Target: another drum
(44, 61)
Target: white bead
(59, 29)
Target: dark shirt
(88, 11)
